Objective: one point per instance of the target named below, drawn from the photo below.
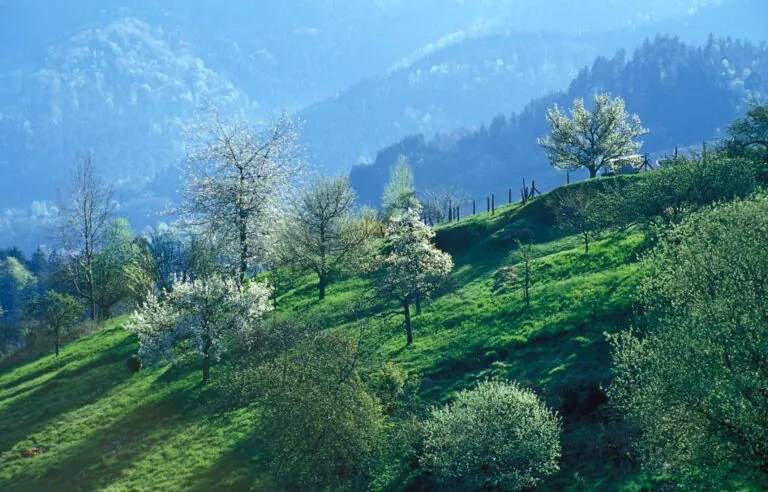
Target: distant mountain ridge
(120, 77)
(683, 94)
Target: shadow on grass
(42, 371)
(67, 391)
(239, 469)
(102, 457)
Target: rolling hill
(90, 424)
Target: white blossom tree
(237, 179)
(591, 139)
(205, 314)
(325, 232)
(412, 266)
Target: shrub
(692, 378)
(321, 427)
(388, 385)
(497, 435)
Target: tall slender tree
(399, 192)
(82, 223)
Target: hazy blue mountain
(685, 95)
(120, 77)
(471, 78)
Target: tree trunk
(408, 327)
(91, 290)
(593, 172)
(586, 243)
(242, 224)
(58, 333)
(206, 360)
(243, 251)
(323, 282)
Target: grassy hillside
(93, 425)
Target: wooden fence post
(488, 203)
(473, 206)
(493, 204)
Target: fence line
(651, 161)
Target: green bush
(666, 193)
(321, 427)
(496, 435)
(692, 378)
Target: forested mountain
(120, 77)
(472, 78)
(683, 94)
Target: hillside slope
(94, 426)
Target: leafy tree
(412, 265)
(56, 312)
(399, 193)
(591, 139)
(237, 179)
(323, 234)
(16, 287)
(751, 131)
(84, 219)
(239, 384)
(114, 268)
(5, 336)
(665, 195)
(321, 427)
(497, 435)
(749, 138)
(692, 378)
(200, 316)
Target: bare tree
(324, 233)
(83, 220)
(439, 204)
(581, 210)
(526, 255)
(237, 179)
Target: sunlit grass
(100, 427)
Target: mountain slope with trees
(471, 78)
(684, 95)
(119, 78)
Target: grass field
(95, 426)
